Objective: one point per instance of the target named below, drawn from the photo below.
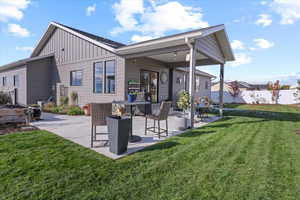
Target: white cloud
(125, 14)
(172, 16)
(264, 20)
(12, 9)
(27, 49)
(18, 31)
(263, 43)
(289, 10)
(90, 10)
(241, 59)
(237, 45)
(263, 3)
(140, 38)
(156, 19)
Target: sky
(264, 34)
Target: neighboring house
(202, 83)
(242, 85)
(259, 86)
(30, 77)
(68, 60)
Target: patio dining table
(132, 138)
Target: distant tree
(270, 86)
(275, 91)
(285, 87)
(234, 88)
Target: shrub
(64, 100)
(4, 98)
(184, 101)
(48, 107)
(75, 110)
(285, 87)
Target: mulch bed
(13, 128)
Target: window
(110, 77)
(104, 77)
(4, 81)
(197, 85)
(76, 78)
(16, 80)
(185, 81)
(98, 77)
(206, 85)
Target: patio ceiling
(176, 56)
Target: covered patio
(77, 129)
(207, 46)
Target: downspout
(187, 41)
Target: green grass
(236, 158)
(265, 107)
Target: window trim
(94, 77)
(197, 84)
(71, 78)
(14, 80)
(104, 77)
(207, 85)
(4, 78)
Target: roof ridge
(95, 37)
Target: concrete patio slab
(78, 130)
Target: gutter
(188, 42)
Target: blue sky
(264, 34)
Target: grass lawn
(264, 107)
(236, 158)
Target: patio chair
(99, 112)
(162, 115)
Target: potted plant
(36, 111)
(87, 109)
(183, 103)
(74, 98)
(131, 97)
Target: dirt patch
(13, 128)
(298, 132)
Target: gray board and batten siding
(74, 53)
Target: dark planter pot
(131, 98)
(118, 129)
(36, 113)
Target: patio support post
(221, 90)
(192, 83)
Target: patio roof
(174, 48)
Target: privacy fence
(260, 97)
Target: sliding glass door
(149, 84)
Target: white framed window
(197, 84)
(105, 77)
(16, 81)
(4, 81)
(76, 78)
